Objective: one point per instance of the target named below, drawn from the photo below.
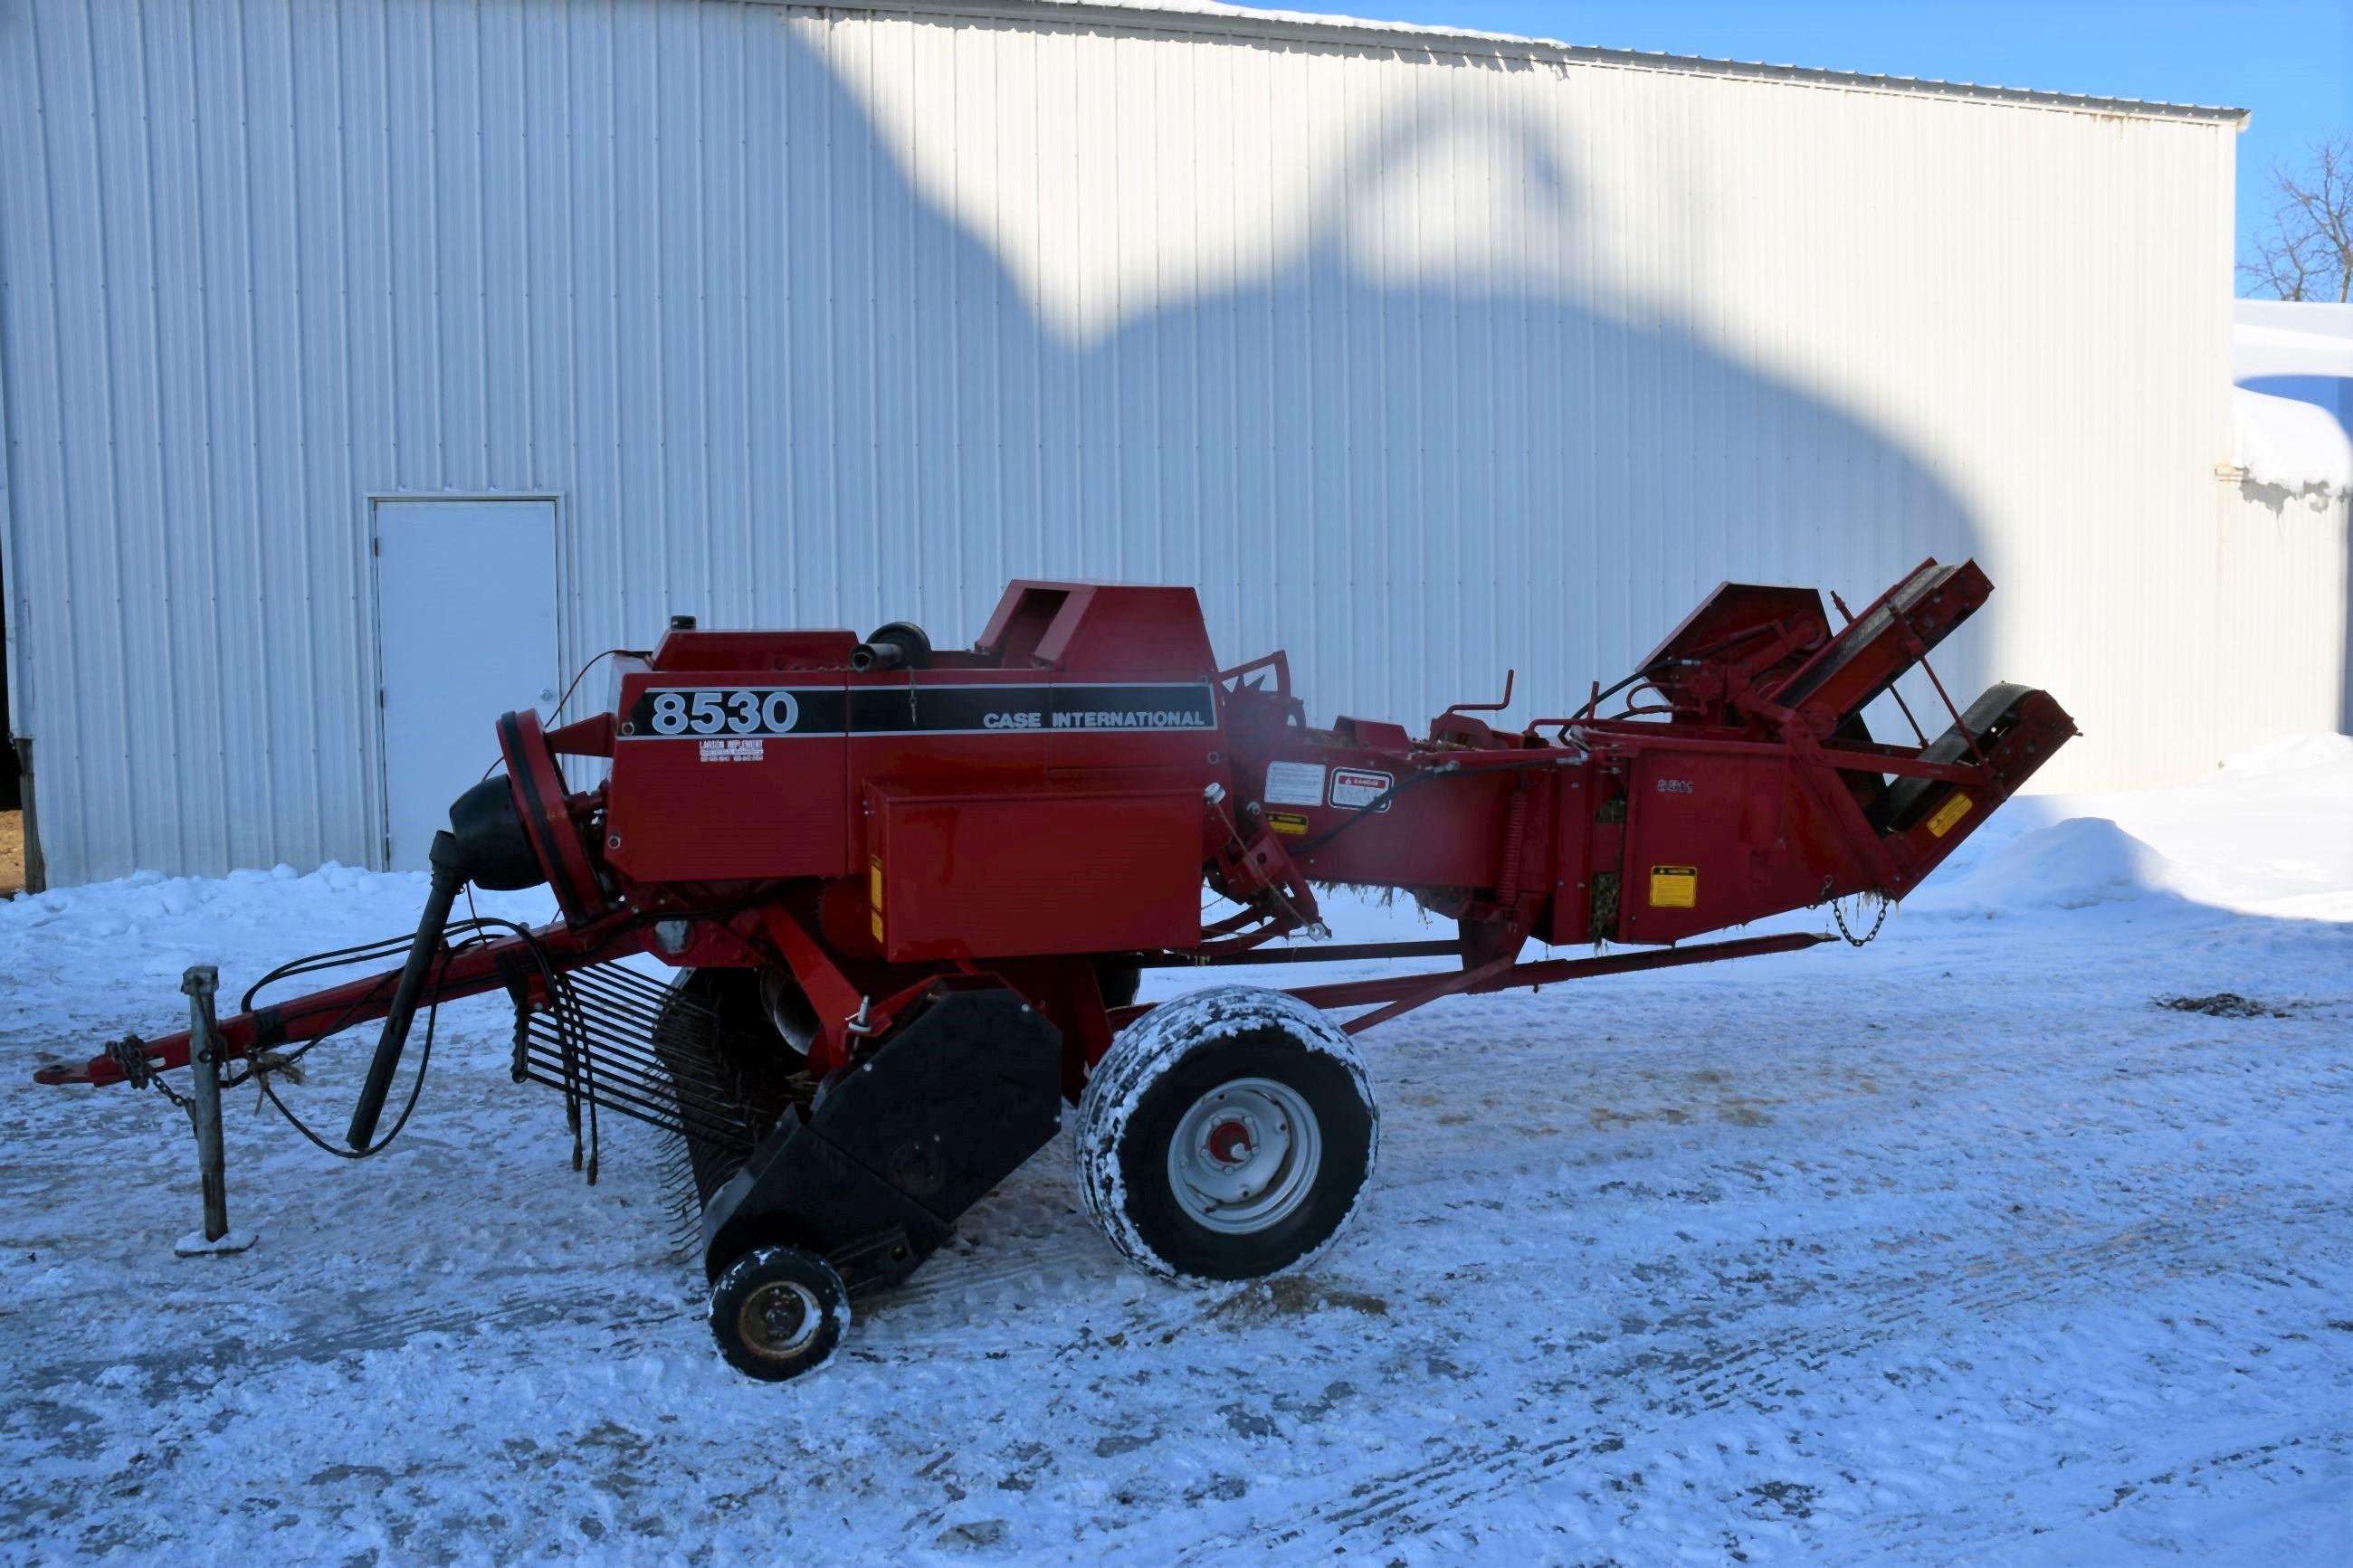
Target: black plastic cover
(898, 1145)
(492, 850)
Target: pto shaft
(448, 876)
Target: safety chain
(1867, 938)
(130, 1054)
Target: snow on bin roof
(2292, 445)
(1208, 15)
(2305, 437)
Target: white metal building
(1421, 355)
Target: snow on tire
(1228, 1135)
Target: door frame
(379, 840)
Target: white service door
(466, 625)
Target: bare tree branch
(2304, 249)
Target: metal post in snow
(199, 984)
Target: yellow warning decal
(1674, 887)
(874, 893)
(1949, 812)
(1290, 824)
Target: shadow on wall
(1389, 446)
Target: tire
(778, 1312)
(1229, 1134)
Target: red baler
(909, 892)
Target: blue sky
(2290, 61)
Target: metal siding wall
(2282, 572)
(1419, 363)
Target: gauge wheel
(1226, 1135)
(778, 1312)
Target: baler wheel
(1226, 1135)
(778, 1312)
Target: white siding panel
(2282, 572)
(1420, 359)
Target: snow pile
(2287, 753)
(2077, 864)
(2296, 446)
(177, 908)
(2271, 832)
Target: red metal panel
(1186, 744)
(1103, 628)
(721, 806)
(979, 759)
(1569, 917)
(1447, 834)
(1735, 608)
(1050, 871)
(1718, 837)
(686, 651)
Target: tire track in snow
(1683, 1381)
(2140, 1490)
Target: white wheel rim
(780, 1319)
(1245, 1156)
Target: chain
(1867, 938)
(130, 1054)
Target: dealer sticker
(1294, 784)
(1358, 787)
(734, 750)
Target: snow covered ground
(1958, 1247)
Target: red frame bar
(1328, 953)
(1413, 990)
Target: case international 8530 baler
(859, 921)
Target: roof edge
(1205, 18)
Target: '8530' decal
(709, 711)
(686, 712)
